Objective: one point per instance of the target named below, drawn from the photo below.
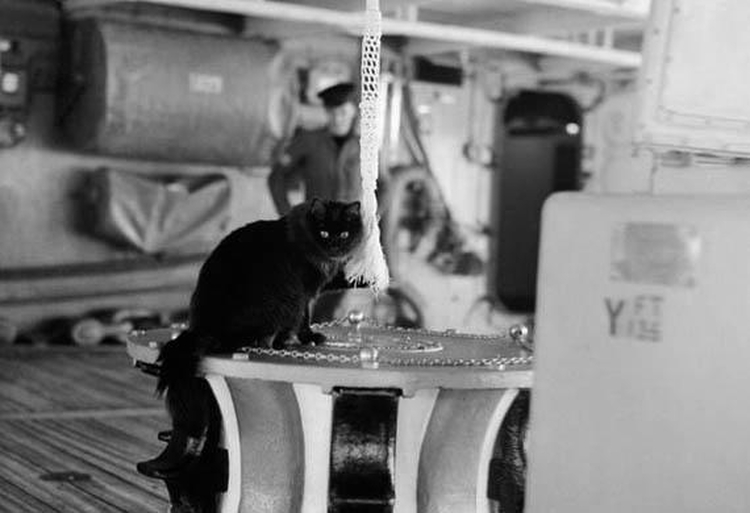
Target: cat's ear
(317, 208)
(354, 208)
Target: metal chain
(369, 355)
(320, 357)
(296, 354)
(371, 323)
(497, 362)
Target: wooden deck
(74, 422)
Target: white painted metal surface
(693, 86)
(315, 414)
(455, 458)
(640, 389)
(229, 502)
(413, 419)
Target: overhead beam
(426, 48)
(565, 21)
(625, 9)
(411, 29)
(629, 9)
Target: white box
(641, 381)
(695, 81)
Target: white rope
(368, 263)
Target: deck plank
(34, 380)
(77, 410)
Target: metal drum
(374, 419)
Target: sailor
(324, 161)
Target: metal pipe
(354, 21)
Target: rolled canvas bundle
(155, 93)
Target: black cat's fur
(254, 289)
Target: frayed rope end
(368, 261)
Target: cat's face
(336, 226)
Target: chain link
(333, 354)
(354, 359)
(297, 354)
(423, 332)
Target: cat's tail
(179, 360)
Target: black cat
(254, 289)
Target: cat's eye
(324, 234)
(344, 235)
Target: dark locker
(538, 144)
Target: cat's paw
(282, 340)
(268, 341)
(311, 338)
